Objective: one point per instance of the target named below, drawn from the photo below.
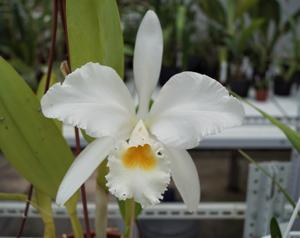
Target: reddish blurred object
(261, 95)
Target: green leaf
(33, 144)
(247, 33)
(268, 10)
(95, 34)
(214, 10)
(13, 197)
(288, 25)
(244, 6)
(292, 135)
(274, 228)
(88, 138)
(125, 208)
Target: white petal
(83, 166)
(191, 106)
(185, 176)
(93, 98)
(147, 59)
(144, 184)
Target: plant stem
(49, 230)
(130, 219)
(44, 206)
(76, 226)
(101, 211)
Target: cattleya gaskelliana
(144, 148)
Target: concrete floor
(213, 168)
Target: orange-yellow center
(140, 156)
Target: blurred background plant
(276, 24)
(234, 41)
(231, 32)
(179, 27)
(287, 67)
(25, 36)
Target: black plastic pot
(169, 228)
(200, 65)
(282, 87)
(296, 78)
(240, 87)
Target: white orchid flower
(146, 148)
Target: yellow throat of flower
(140, 156)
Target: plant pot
(261, 95)
(169, 228)
(296, 78)
(240, 87)
(282, 87)
(200, 65)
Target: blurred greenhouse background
(250, 46)
(245, 43)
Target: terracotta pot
(261, 95)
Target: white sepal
(185, 176)
(147, 59)
(83, 166)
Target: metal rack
(174, 211)
(256, 133)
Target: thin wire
(49, 70)
(77, 138)
(53, 44)
(29, 196)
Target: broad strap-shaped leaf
(95, 34)
(33, 144)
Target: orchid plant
(144, 145)
(144, 148)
